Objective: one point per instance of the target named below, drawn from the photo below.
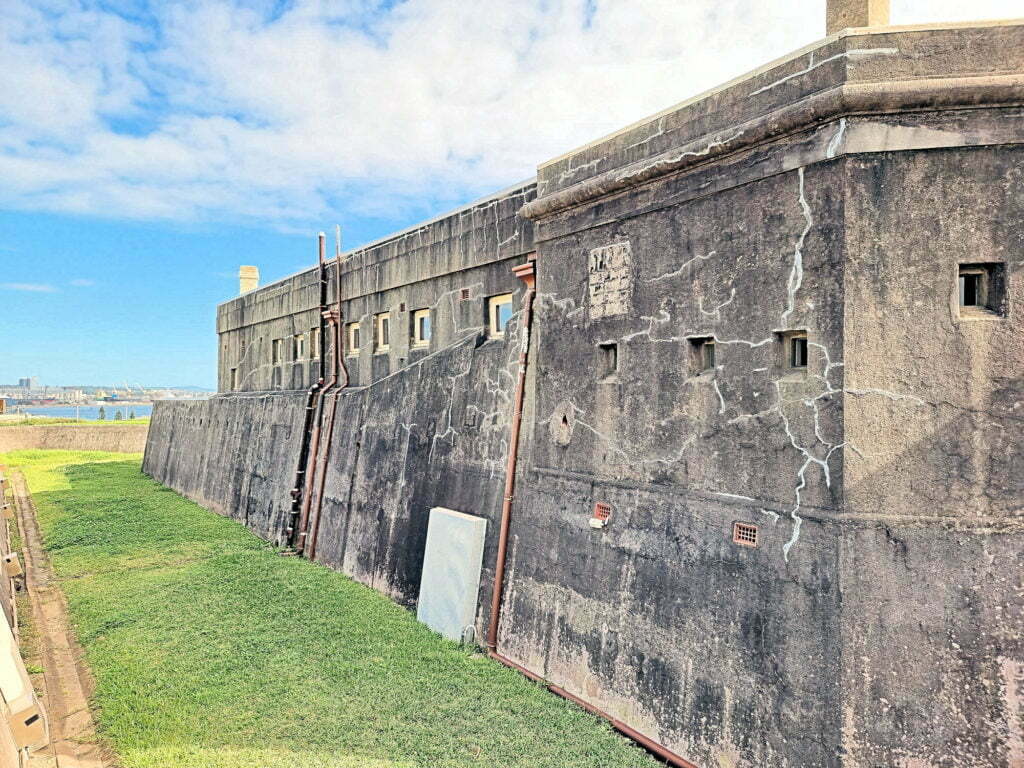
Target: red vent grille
(464, 294)
(602, 511)
(744, 534)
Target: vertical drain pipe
(524, 272)
(527, 273)
(341, 382)
(300, 491)
(333, 318)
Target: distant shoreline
(91, 404)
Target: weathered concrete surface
(425, 267)
(235, 456)
(130, 438)
(835, 194)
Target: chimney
(842, 14)
(248, 279)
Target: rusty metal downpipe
(340, 382)
(332, 318)
(310, 438)
(527, 273)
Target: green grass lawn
(210, 649)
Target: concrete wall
(427, 267)
(417, 428)
(834, 194)
(130, 438)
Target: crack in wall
(813, 66)
(681, 269)
(796, 275)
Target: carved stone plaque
(610, 280)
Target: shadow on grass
(209, 649)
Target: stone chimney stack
(248, 279)
(842, 14)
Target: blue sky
(149, 149)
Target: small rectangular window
(382, 327)
(353, 339)
(798, 352)
(981, 289)
(609, 354)
(314, 343)
(972, 289)
(499, 312)
(464, 294)
(793, 349)
(276, 350)
(299, 346)
(421, 329)
(703, 353)
(234, 379)
(744, 534)
(708, 360)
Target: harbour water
(87, 412)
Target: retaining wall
(130, 438)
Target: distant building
(31, 382)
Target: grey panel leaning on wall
(451, 572)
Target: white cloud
(29, 287)
(220, 110)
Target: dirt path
(68, 684)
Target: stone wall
(829, 199)
(130, 438)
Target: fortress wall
(235, 456)
(425, 267)
(836, 195)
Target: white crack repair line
(857, 52)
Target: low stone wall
(130, 438)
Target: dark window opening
(609, 354)
(708, 348)
(798, 352)
(464, 294)
(971, 289)
(982, 289)
(703, 353)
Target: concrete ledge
(838, 102)
(130, 438)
